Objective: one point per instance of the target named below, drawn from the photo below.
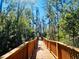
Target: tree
(14, 27)
(71, 26)
(1, 3)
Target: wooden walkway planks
(42, 52)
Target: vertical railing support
(50, 46)
(27, 51)
(57, 50)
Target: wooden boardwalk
(42, 52)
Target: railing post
(27, 51)
(50, 46)
(57, 50)
(47, 44)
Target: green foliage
(69, 25)
(67, 17)
(13, 32)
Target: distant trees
(50, 16)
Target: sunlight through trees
(22, 20)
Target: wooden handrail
(61, 50)
(23, 51)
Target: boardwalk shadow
(35, 52)
(38, 48)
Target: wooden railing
(24, 51)
(61, 51)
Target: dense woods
(64, 21)
(15, 26)
(20, 23)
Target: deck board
(42, 52)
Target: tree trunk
(1, 6)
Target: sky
(40, 4)
(42, 10)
